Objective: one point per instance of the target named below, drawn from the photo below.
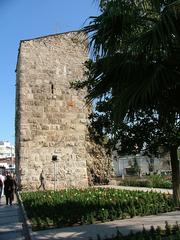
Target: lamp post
(54, 159)
(123, 169)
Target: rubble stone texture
(51, 117)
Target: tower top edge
(53, 35)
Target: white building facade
(7, 150)
(123, 165)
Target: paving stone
(10, 221)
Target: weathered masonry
(51, 118)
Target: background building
(7, 150)
(7, 156)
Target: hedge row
(153, 181)
(81, 206)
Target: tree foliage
(134, 75)
(135, 68)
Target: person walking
(1, 188)
(2, 178)
(42, 180)
(8, 189)
(14, 186)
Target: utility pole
(54, 159)
(11, 157)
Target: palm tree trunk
(175, 164)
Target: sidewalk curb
(27, 229)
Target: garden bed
(85, 206)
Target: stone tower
(51, 118)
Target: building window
(52, 88)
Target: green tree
(135, 69)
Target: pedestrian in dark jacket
(42, 180)
(1, 188)
(8, 189)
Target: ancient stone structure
(52, 118)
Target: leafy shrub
(159, 181)
(152, 181)
(135, 183)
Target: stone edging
(27, 229)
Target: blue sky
(26, 19)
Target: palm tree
(135, 47)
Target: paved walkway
(10, 221)
(11, 224)
(144, 189)
(86, 232)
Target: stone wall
(51, 118)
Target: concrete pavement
(86, 232)
(144, 189)
(10, 221)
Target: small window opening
(52, 88)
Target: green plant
(153, 181)
(86, 206)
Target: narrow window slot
(52, 88)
